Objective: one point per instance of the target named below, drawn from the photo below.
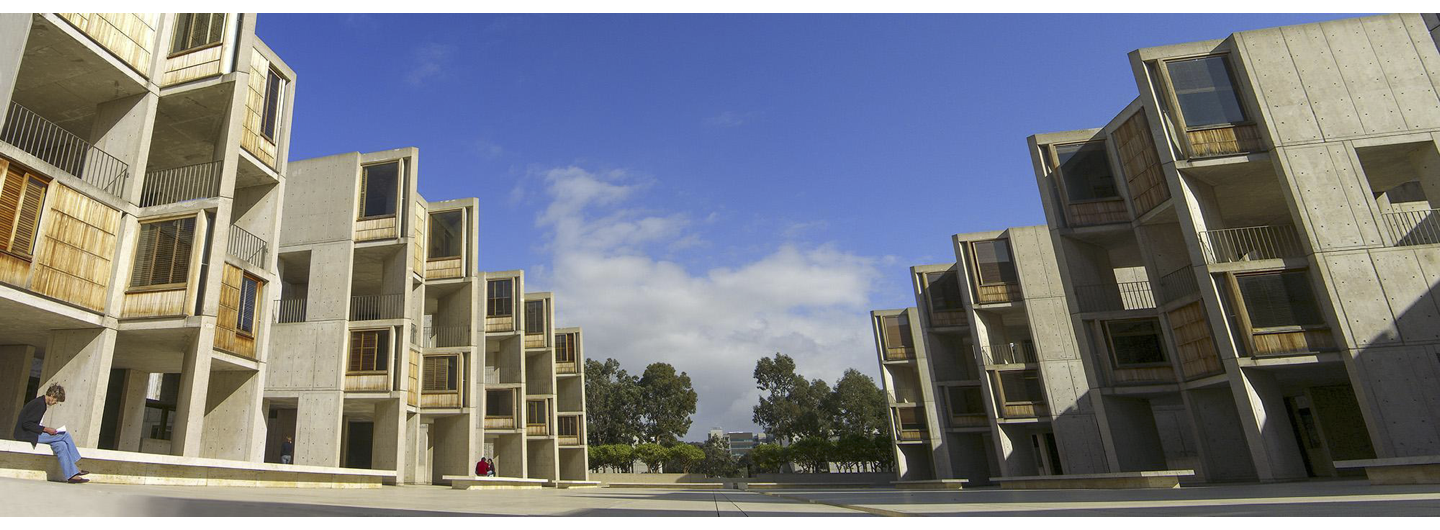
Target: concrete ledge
(941, 484)
(668, 485)
(1129, 480)
(466, 482)
(575, 484)
(800, 485)
(20, 460)
(1401, 470)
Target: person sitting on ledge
(29, 429)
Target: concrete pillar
(230, 413)
(389, 436)
(1223, 446)
(1261, 404)
(132, 410)
(122, 128)
(15, 362)
(451, 437)
(14, 32)
(318, 428)
(1137, 439)
(411, 471)
(79, 360)
(188, 435)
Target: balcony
(1010, 353)
(491, 375)
(442, 268)
(181, 184)
(998, 293)
(1251, 243)
(447, 337)
(1097, 212)
(569, 441)
(910, 435)
(567, 368)
(67, 152)
(534, 340)
(536, 429)
(1224, 141)
(376, 228)
(248, 247)
(1178, 284)
(1024, 410)
(899, 353)
(378, 381)
(949, 318)
(1122, 296)
(377, 306)
(969, 420)
(499, 422)
(1416, 227)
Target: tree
(769, 458)
(857, 406)
(812, 453)
(882, 452)
(854, 452)
(718, 460)
(684, 457)
(612, 399)
(667, 404)
(616, 458)
(652, 455)
(791, 407)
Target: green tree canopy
(769, 458)
(652, 455)
(684, 458)
(718, 460)
(791, 406)
(858, 406)
(812, 453)
(667, 402)
(612, 402)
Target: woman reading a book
(29, 429)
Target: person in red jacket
(482, 467)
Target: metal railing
(1418, 227)
(290, 310)
(180, 184)
(1114, 296)
(248, 247)
(60, 148)
(447, 336)
(377, 306)
(1177, 284)
(1011, 353)
(1250, 243)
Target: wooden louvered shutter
(431, 377)
(143, 271)
(28, 221)
(357, 345)
(11, 189)
(249, 293)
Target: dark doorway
(110, 419)
(359, 444)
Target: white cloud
(731, 118)
(488, 149)
(808, 301)
(429, 61)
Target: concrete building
(1244, 261)
(143, 167)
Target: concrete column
(14, 32)
(15, 362)
(318, 428)
(1137, 439)
(1223, 446)
(230, 413)
(1267, 427)
(411, 470)
(451, 438)
(122, 128)
(389, 436)
(188, 435)
(79, 360)
(132, 410)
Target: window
(534, 317)
(162, 256)
(249, 293)
(1279, 300)
(194, 31)
(440, 373)
(910, 419)
(993, 265)
(966, 400)
(565, 348)
(498, 403)
(499, 298)
(22, 197)
(370, 351)
(1085, 171)
(379, 186)
(1020, 387)
(944, 290)
(1135, 342)
(897, 332)
(569, 426)
(274, 101)
(446, 234)
(1205, 92)
(535, 412)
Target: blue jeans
(64, 448)
(286, 459)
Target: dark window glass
(497, 403)
(1086, 170)
(911, 419)
(1279, 300)
(162, 255)
(498, 298)
(534, 317)
(445, 234)
(966, 400)
(197, 30)
(439, 373)
(569, 426)
(565, 348)
(369, 351)
(535, 412)
(944, 290)
(381, 183)
(274, 91)
(1202, 87)
(1021, 386)
(993, 263)
(1136, 342)
(897, 332)
(249, 290)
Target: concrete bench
(940, 484)
(467, 482)
(1400, 470)
(800, 485)
(20, 460)
(668, 485)
(574, 484)
(1126, 480)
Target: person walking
(287, 451)
(29, 429)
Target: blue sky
(708, 189)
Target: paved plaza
(1330, 498)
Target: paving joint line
(872, 511)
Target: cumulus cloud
(808, 301)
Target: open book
(60, 429)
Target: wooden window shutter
(28, 221)
(364, 184)
(429, 377)
(11, 189)
(357, 344)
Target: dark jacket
(28, 429)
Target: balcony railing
(1418, 227)
(1177, 284)
(377, 306)
(67, 152)
(499, 422)
(567, 367)
(910, 435)
(1114, 296)
(1250, 243)
(537, 429)
(180, 184)
(290, 310)
(899, 354)
(1011, 353)
(248, 247)
(447, 336)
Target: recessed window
(194, 31)
(1085, 171)
(162, 256)
(1204, 89)
(446, 234)
(569, 426)
(993, 264)
(910, 419)
(944, 291)
(498, 403)
(379, 185)
(369, 351)
(249, 293)
(22, 197)
(1021, 387)
(535, 412)
(565, 348)
(897, 332)
(499, 298)
(966, 400)
(534, 317)
(440, 373)
(274, 99)
(1135, 342)
(1279, 300)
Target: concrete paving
(31, 498)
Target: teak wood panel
(1005, 292)
(130, 36)
(1198, 357)
(250, 137)
(443, 268)
(1146, 374)
(1292, 342)
(73, 260)
(969, 420)
(499, 324)
(1024, 410)
(1141, 163)
(1097, 212)
(198, 64)
(227, 337)
(378, 382)
(1224, 141)
(536, 340)
(378, 228)
(499, 422)
(142, 304)
(417, 236)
